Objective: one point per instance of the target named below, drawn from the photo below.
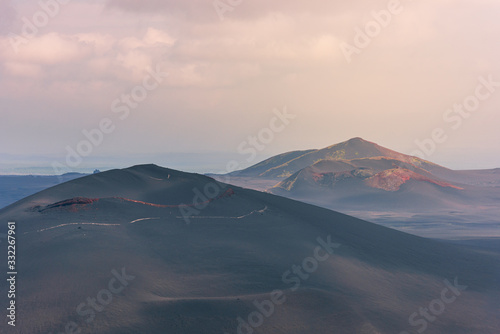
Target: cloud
(205, 10)
(157, 37)
(225, 76)
(7, 16)
(100, 55)
(54, 48)
(20, 69)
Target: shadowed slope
(200, 277)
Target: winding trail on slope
(205, 217)
(228, 193)
(223, 217)
(141, 219)
(62, 225)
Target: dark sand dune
(207, 276)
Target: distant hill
(16, 187)
(285, 165)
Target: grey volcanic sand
(200, 277)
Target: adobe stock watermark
(223, 6)
(455, 116)
(40, 19)
(292, 277)
(121, 107)
(437, 307)
(250, 148)
(104, 297)
(372, 29)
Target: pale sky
(220, 81)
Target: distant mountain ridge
(285, 165)
(17, 187)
